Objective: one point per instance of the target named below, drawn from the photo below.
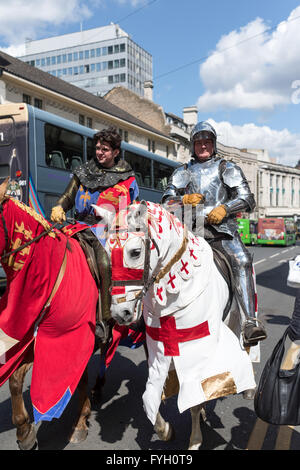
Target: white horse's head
(147, 246)
(129, 248)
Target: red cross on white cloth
(171, 336)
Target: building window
(81, 119)
(104, 51)
(117, 48)
(151, 145)
(126, 136)
(81, 55)
(87, 54)
(98, 51)
(89, 122)
(110, 79)
(26, 99)
(75, 55)
(110, 50)
(122, 47)
(110, 65)
(38, 103)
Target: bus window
(61, 146)
(162, 174)
(7, 130)
(141, 167)
(90, 150)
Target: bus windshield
(276, 231)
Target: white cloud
(21, 19)
(280, 144)
(256, 73)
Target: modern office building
(96, 59)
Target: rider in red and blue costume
(105, 181)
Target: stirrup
(248, 342)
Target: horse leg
(163, 428)
(196, 434)
(26, 434)
(80, 430)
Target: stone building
(20, 82)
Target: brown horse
(47, 319)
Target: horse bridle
(147, 281)
(6, 255)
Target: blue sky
(238, 61)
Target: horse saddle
(225, 270)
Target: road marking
(276, 254)
(258, 435)
(284, 436)
(260, 261)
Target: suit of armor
(223, 184)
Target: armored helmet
(203, 130)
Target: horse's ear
(107, 217)
(3, 189)
(137, 217)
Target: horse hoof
(195, 446)
(168, 434)
(79, 435)
(30, 442)
(249, 394)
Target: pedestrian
(107, 181)
(292, 346)
(222, 188)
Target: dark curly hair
(110, 136)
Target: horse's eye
(135, 253)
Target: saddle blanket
(63, 337)
(205, 353)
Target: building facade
(20, 82)
(95, 60)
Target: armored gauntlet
(58, 214)
(193, 199)
(216, 215)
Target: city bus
(39, 151)
(276, 231)
(248, 231)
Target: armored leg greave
(241, 262)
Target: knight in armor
(222, 188)
(104, 180)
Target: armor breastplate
(205, 178)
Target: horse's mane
(38, 217)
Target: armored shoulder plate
(93, 176)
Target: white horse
(162, 269)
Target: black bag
(277, 399)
